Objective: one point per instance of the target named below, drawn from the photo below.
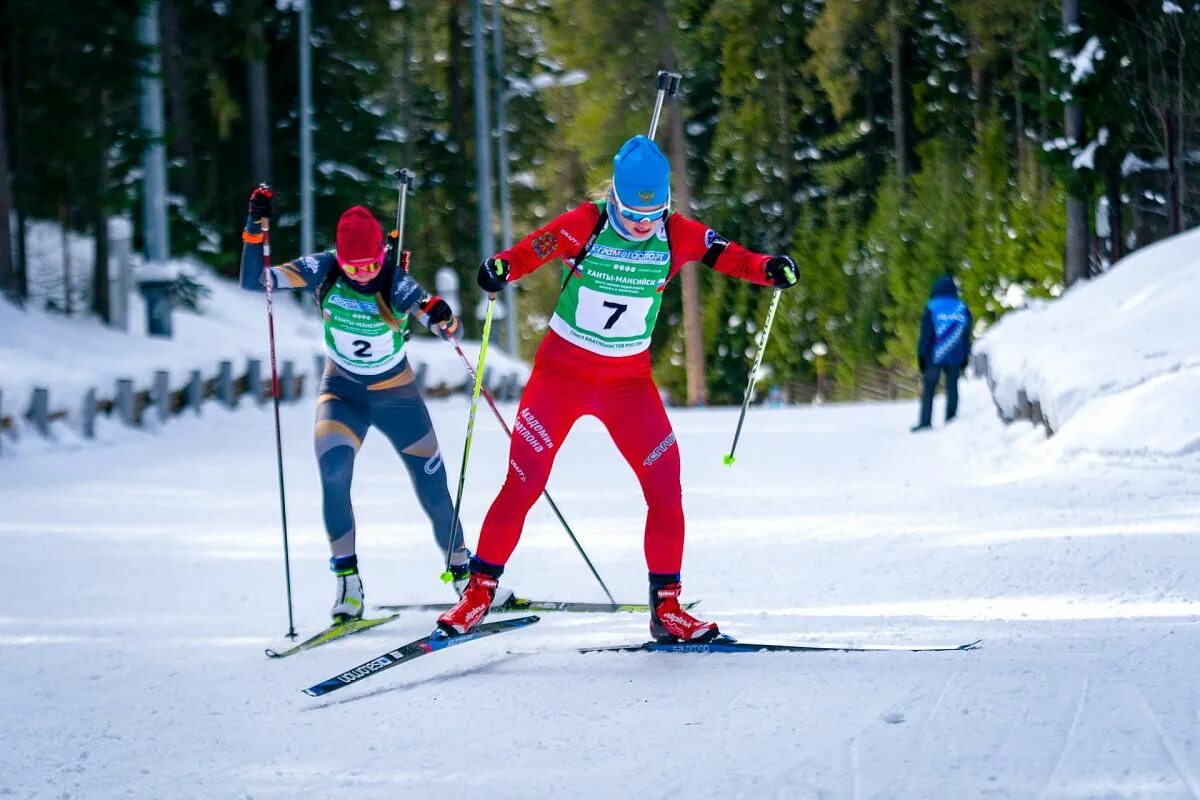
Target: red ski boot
(472, 608)
(670, 623)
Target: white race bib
(612, 316)
(366, 355)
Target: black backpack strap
(583, 251)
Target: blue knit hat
(642, 174)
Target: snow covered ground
(1115, 362)
(142, 579)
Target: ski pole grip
(407, 179)
(673, 81)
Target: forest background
(1020, 145)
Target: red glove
(439, 313)
(260, 202)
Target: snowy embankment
(1115, 362)
(69, 355)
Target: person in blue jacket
(944, 347)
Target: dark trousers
(932, 373)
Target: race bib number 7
(612, 316)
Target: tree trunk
(1116, 230)
(1019, 115)
(981, 87)
(1171, 136)
(64, 223)
(1181, 150)
(100, 299)
(1075, 264)
(18, 173)
(899, 107)
(179, 116)
(689, 279)
(260, 122)
(8, 275)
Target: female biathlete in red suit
(618, 256)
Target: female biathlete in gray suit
(365, 302)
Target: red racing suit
(569, 382)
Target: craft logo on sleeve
(545, 245)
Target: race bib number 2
(612, 316)
(363, 348)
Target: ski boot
(348, 604)
(460, 576)
(476, 601)
(670, 623)
(458, 571)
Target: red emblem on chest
(545, 245)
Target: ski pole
(729, 459)
(668, 85)
(545, 492)
(462, 473)
(269, 281)
(407, 179)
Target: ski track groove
(1069, 739)
(942, 695)
(1178, 761)
(854, 782)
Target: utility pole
(689, 279)
(1075, 266)
(157, 279)
(154, 180)
(306, 149)
(483, 139)
(510, 297)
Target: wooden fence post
(195, 391)
(125, 410)
(87, 415)
(39, 411)
(225, 393)
(287, 382)
(254, 384)
(160, 396)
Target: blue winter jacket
(945, 327)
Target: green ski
(332, 633)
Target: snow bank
(1115, 362)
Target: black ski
(332, 633)
(725, 644)
(522, 604)
(435, 641)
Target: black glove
(921, 364)
(440, 315)
(782, 271)
(493, 275)
(260, 202)
(437, 309)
